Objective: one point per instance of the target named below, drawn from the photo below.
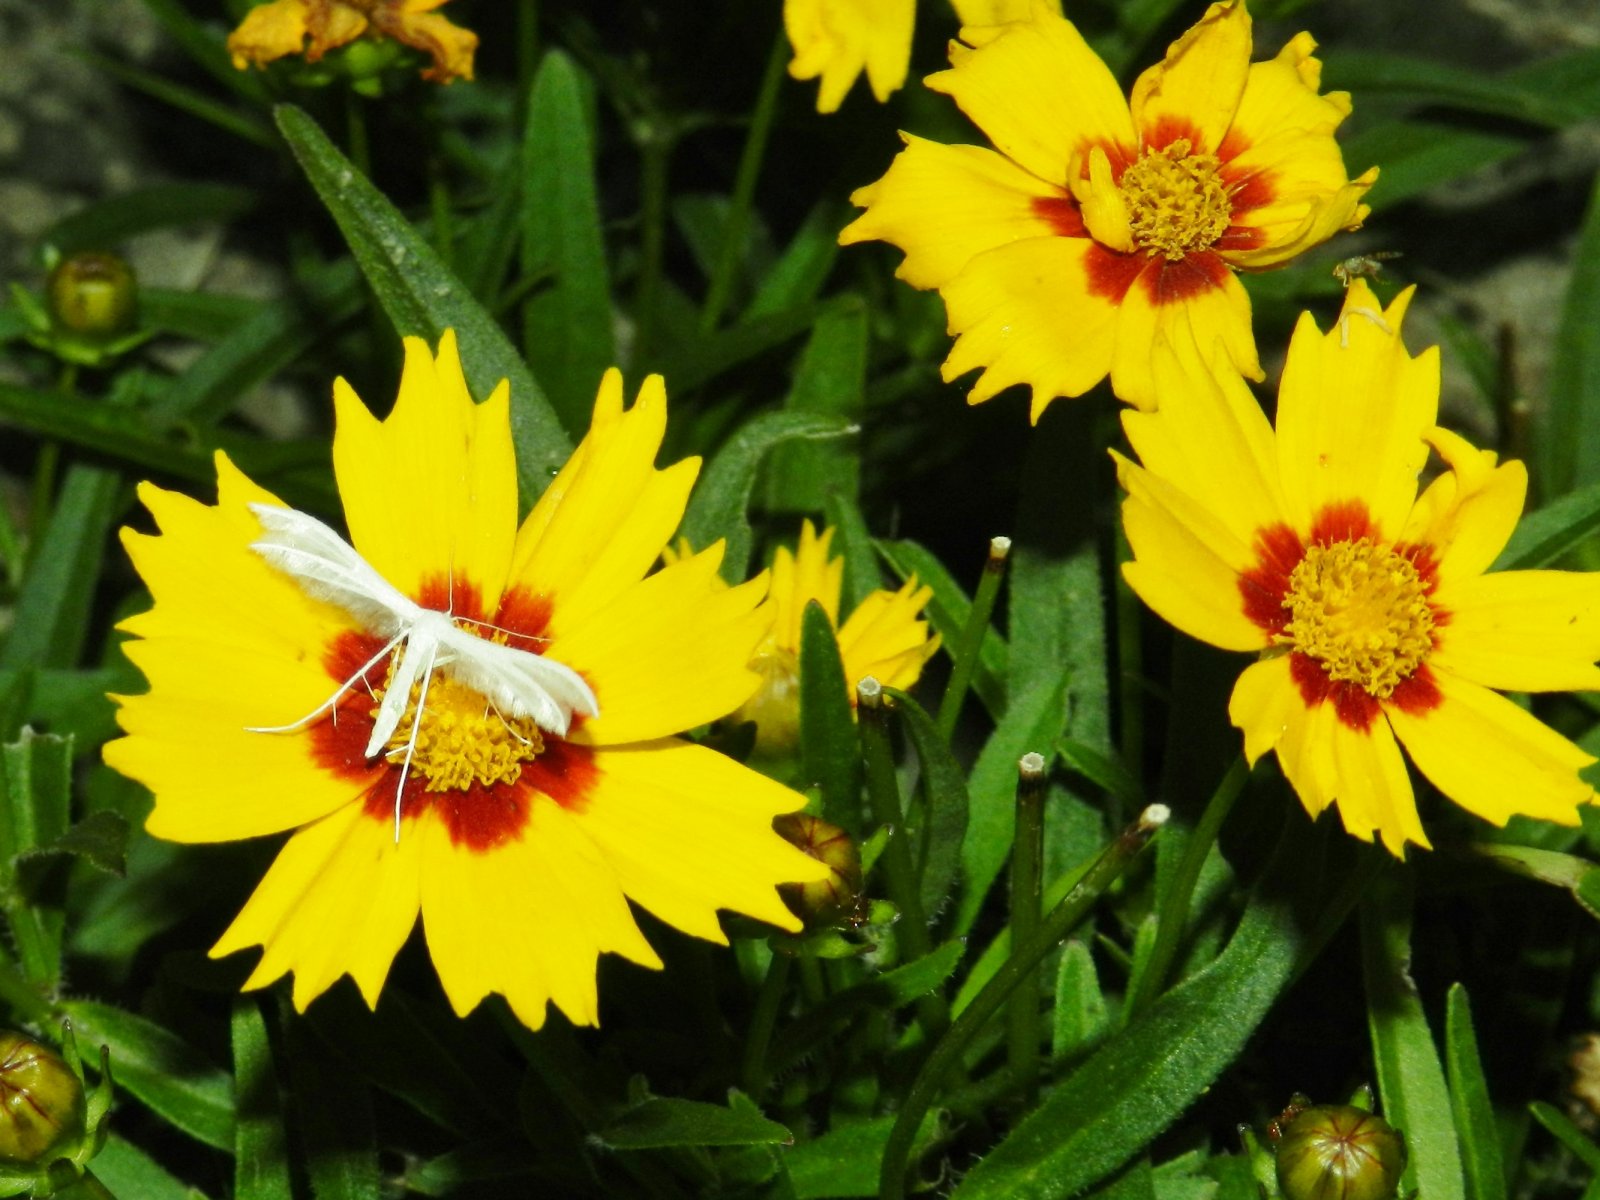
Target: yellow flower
(519, 846)
(836, 39)
(1102, 224)
(1367, 602)
(314, 27)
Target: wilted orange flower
(314, 27)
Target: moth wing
(328, 568)
(520, 683)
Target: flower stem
(440, 209)
(1027, 867)
(527, 44)
(355, 128)
(754, 1069)
(966, 652)
(1174, 914)
(946, 1054)
(655, 153)
(744, 185)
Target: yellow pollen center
(1176, 201)
(461, 740)
(1361, 611)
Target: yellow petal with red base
(340, 899)
(1198, 85)
(944, 204)
(430, 492)
(1523, 631)
(1203, 305)
(1493, 758)
(1352, 410)
(688, 831)
(1039, 92)
(1025, 314)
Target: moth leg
(411, 742)
(334, 699)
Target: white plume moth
(516, 683)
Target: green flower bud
(1338, 1152)
(41, 1102)
(92, 294)
(826, 899)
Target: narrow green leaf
(829, 757)
(52, 612)
(943, 822)
(947, 612)
(1423, 81)
(163, 1071)
(422, 297)
(196, 103)
(1469, 1100)
(1568, 1134)
(566, 326)
(100, 839)
(1410, 1076)
(1577, 875)
(260, 1150)
(663, 1121)
(36, 787)
(852, 541)
(1104, 770)
(334, 1112)
(106, 223)
(696, 361)
(128, 1172)
(1080, 1013)
(206, 46)
(719, 508)
(1418, 154)
(483, 257)
(1143, 1078)
(844, 1161)
(508, 1163)
(798, 275)
(1542, 537)
(830, 381)
(1571, 438)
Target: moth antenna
(527, 637)
(411, 742)
(333, 700)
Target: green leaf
(422, 297)
(566, 326)
(663, 1121)
(719, 507)
(1438, 84)
(260, 1150)
(844, 1161)
(696, 361)
(1568, 1134)
(1577, 875)
(1410, 1077)
(52, 612)
(36, 786)
(798, 275)
(1080, 1014)
(1571, 439)
(1542, 537)
(943, 820)
(129, 1172)
(163, 1071)
(1104, 770)
(947, 613)
(100, 839)
(830, 381)
(1469, 1101)
(334, 1112)
(852, 541)
(1143, 1078)
(207, 47)
(1417, 155)
(105, 223)
(829, 757)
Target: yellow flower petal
(1026, 314)
(412, 23)
(1467, 515)
(430, 494)
(885, 639)
(641, 652)
(268, 32)
(1000, 12)
(603, 522)
(1493, 758)
(1264, 704)
(1352, 411)
(340, 899)
(1523, 631)
(1210, 309)
(800, 577)
(689, 832)
(944, 204)
(836, 39)
(1198, 86)
(1040, 93)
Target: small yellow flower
(520, 847)
(281, 28)
(1367, 603)
(1099, 224)
(837, 39)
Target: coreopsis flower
(520, 838)
(1099, 225)
(1367, 602)
(838, 39)
(312, 28)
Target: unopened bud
(93, 294)
(41, 1102)
(1338, 1152)
(825, 899)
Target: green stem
(1130, 655)
(527, 44)
(11, 552)
(655, 153)
(439, 208)
(744, 185)
(42, 492)
(762, 1021)
(948, 1052)
(355, 128)
(1027, 869)
(968, 649)
(883, 794)
(1174, 914)
(85, 1187)
(27, 1004)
